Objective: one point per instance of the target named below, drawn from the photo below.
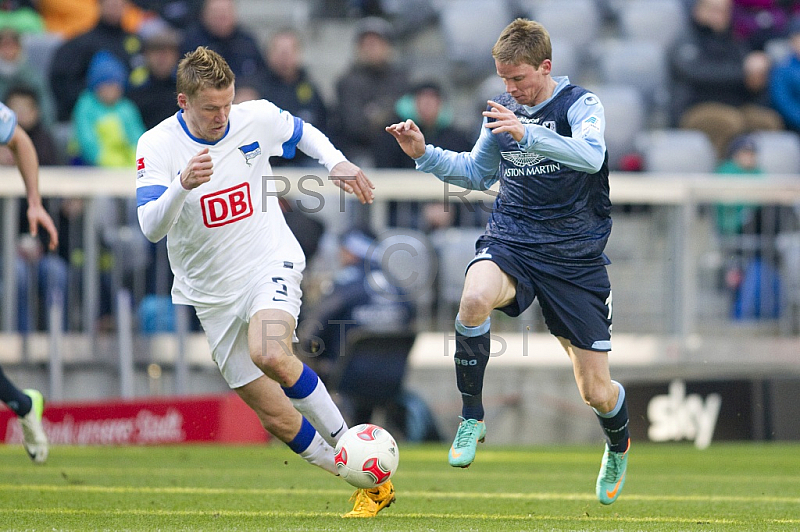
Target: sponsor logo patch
(522, 158)
(226, 206)
(590, 125)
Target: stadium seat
(566, 60)
(662, 21)
(470, 28)
(625, 119)
(264, 16)
(676, 151)
(408, 260)
(778, 151)
(575, 21)
(455, 248)
(637, 63)
(39, 49)
(62, 132)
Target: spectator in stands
(751, 271)
(15, 70)
(179, 14)
(24, 102)
(40, 275)
(288, 86)
(361, 297)
(759, 21)
(21, 16)
(69, 18)
(155, 96)
(247, 89)
(719, 86)
(785, 82)
(71, 60)
(742, 161)
(287, 82)
(219, 30)
(425, 105)
(367, 92)
(107, 125)
(407, 17)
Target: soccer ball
(366, 456)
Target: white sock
(323, 414)
(320, 454)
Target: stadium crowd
(88, 77)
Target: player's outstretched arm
(27, 161)
(353, 181)
(409, 137)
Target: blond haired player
(199, 183)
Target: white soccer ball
(366, 456)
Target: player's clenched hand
(353, 181)
(505, 121)
(409, 137)
(198, 171)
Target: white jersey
(223, 232)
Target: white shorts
(226, 326)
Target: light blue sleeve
(585, 150)
(8, 122)
(475, 170)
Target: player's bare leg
(607, 398)
(279, 417)
(270, 339)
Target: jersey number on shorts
(283, 291)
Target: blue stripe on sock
(304, 437)
(304, 385)
(618, 406)
(481, 329)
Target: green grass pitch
(669, 487)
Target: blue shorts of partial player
(575, 298)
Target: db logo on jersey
(226, 206)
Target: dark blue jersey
(553, 196)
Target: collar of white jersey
(182, 122)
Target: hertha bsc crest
(250, 151)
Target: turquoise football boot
(470, 432)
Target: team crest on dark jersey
(250, 151)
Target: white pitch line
(409, 494)
(393, 515)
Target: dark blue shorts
(575, 299)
